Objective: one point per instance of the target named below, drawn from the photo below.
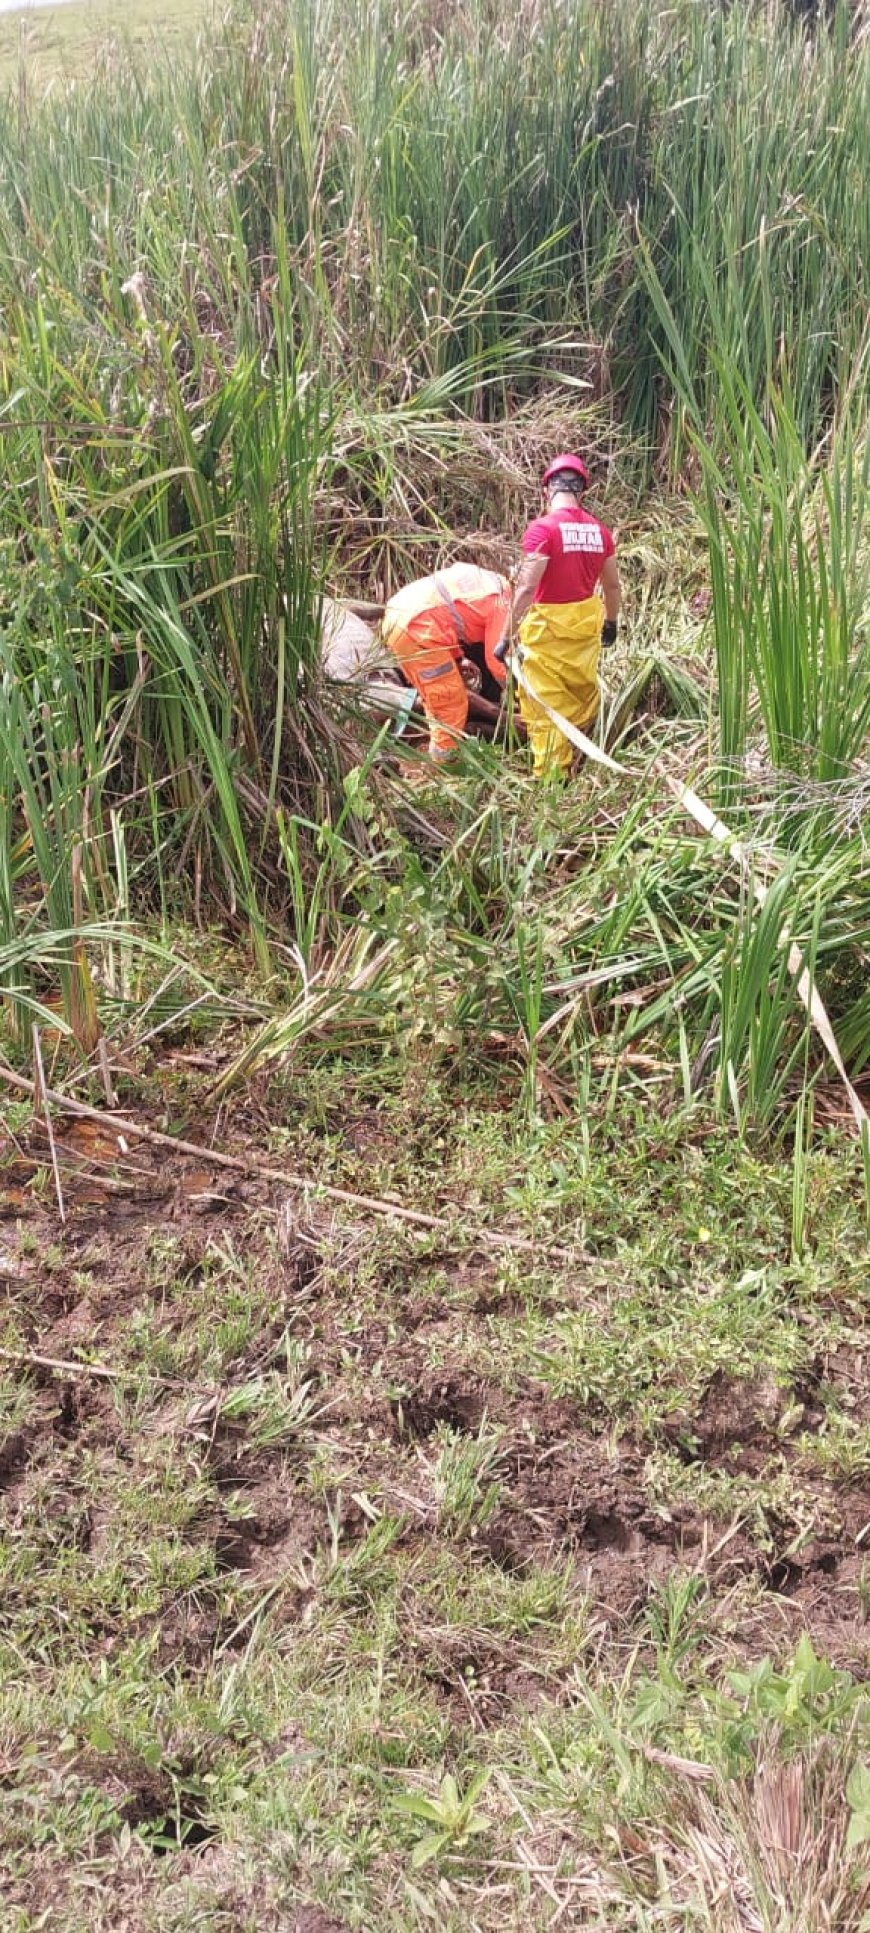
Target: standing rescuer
(561, 621)
(430, 626)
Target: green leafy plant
(808, 1695)
(451, 1818)
(858, 1795)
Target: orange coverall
(427, 626)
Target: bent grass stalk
(211, 373)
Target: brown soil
(568, 1494)
(570, 1498)
(278, 1528)
(310, 1919)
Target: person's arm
(483, 708)
(531, 571)
(611, 590)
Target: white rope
(715, 828)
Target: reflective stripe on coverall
(562, 644)
(425, 626)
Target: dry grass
(768, 1854)
(39, 47)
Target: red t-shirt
(577, 546)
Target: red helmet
(567, 462)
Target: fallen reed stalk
(122, 1126)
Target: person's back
(467, 586)
(567, 554)
(429, 625)
(576, 546)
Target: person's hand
(609, 630)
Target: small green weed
(466, 1479)
(451, 1818)
(270, 1413)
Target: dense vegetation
(434, 1443)
(320, 298)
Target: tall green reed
(790, 567)
(328, 220)
(160, 638)
(444, 188)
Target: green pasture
(42, 47)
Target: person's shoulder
(606, 532)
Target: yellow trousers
(561, 645)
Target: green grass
(368, 1510)
(39, 48)
(215, 446)
(509, 1572)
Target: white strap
(705, 818)
(455, 613)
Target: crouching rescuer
(444, 631)
(568, 553)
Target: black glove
(608, 630)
